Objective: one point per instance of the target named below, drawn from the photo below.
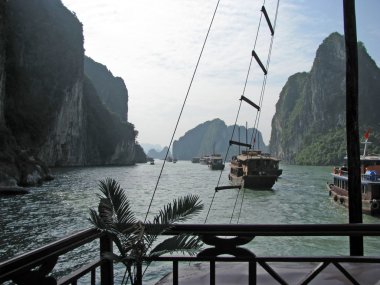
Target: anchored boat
(216, 162)
(254, 170)
(195, 160)
(370, 182)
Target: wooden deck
(291, 273)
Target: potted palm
(138, 241)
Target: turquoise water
(61, 207)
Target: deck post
(106, 268)
(139, 273)
(352, 124)
(252, 272)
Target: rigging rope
(180, 114)
(237, 117)
(265, 76)
(257, 117)
(241, 205)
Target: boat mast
(246, 132)
(366, 142)
(352, 128)
(365, 148)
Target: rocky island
(52, 111)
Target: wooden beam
(243, 98)
(239, 143)
(352, 125)
(227, 187)
(268, 21)
(254, 54)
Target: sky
(154, 46)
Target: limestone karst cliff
(309, 124)
(2, 61)
(212, 137)
(111, 90)
(53, 115)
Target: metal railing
(371, 177)
(221, 240)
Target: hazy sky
(154, 47)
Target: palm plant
(137, 241)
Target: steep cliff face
(309, 124)
(111, 90)
(52, 113)
(65, 144)
(286, 138)
(2, 61)
(109, 141)
(159, 154)
(212, 137)
(45, 77)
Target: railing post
(175, 272)
(138, 273)
(212, 272)
(106, 268)
(252, 272)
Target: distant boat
(370, 183)
(204, 160)
(150, 160)
(195, 159)
(216, 162)
(254, 170)
(175, 160)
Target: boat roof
(363, 181)
(256, 156)
(215, 155)
(372, 157)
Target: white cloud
(154, 46)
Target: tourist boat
(216, 162)
(195, 159)
(370, 183)
(254, 170)
(205, 160)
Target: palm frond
(135, 239)
(181, 210)
(106, 212)
(180, 243)
(152, 231)
(121, 210)
(112, 256)
(96, 220)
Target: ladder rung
(259, 61)
(268, 21)
(250, 102)
(227, 187)
(241, 144)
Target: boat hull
(254, 182)
(340, 196)
(216, 166)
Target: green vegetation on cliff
(309, 124)
(327, 148)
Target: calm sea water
(61, 207)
